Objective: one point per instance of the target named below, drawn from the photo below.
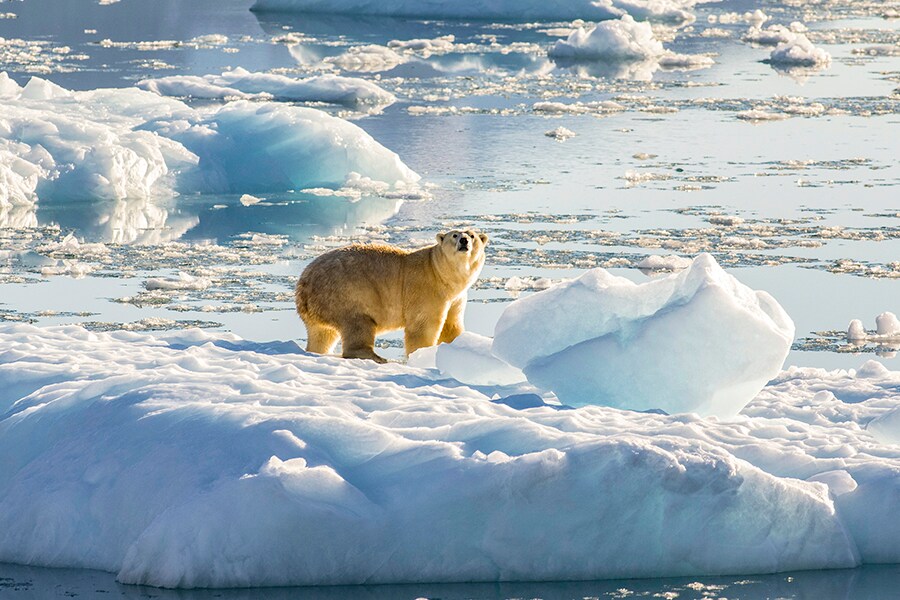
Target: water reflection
(141, 221)
(17, 217)
(875, 582)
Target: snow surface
(199, 459)
(695, 341)
(240, 83)
(128, 143)
(504, 10)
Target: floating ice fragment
(240, 83)
(620, 39)
(695, 341)
(799, 51)
(887, 324)
(887, 329)
(671, 262)
(248, 200)
(856, 331)
(560, 134)
(184, 281)
(367, 59)
(623, 40)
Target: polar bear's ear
(484, 238)
(440, 237)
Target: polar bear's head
(463, 243)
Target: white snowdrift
(695, 341)
(677, 11)
(200, 459)
(622, 40)
(240, 83)
(127, 143)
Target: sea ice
(560, 134)
(240, 83)
(127, 143)
(799, 51)
(887, 329)
(695, 341)
(182, 459)
(622, 40)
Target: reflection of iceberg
(297, 218)
(133, 221)
(636, 70)
(17, 217)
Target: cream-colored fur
(362, 290)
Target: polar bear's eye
(455, 235)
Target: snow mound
(240, 83)
(467, 359)
(695, 341)
(622, 40)
(799, 51)
(182, 459)
(116, 144)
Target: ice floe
(602, 339)
(240, 83)
(181, 460)
(560, 134)
(622, 40)
(127, 143)
(799, 51)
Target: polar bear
(362, 290)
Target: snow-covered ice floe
(695, 341)
(240, 83)
(200, 459)
(797, 50)
(130, 143)
(677, 11)
(622, 40)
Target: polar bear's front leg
(421, 334)
(453, 325)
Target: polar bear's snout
(463, 244)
